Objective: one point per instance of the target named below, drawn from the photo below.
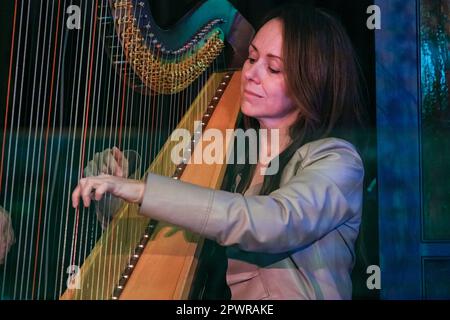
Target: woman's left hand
(95, 187)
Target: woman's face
(264, 93)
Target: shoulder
(333, 148)
(333, 156)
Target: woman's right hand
(109, 161)
(132, 191)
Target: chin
(248, 109)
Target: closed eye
(274, 71)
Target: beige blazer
(297, 242)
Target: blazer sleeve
(324, 193)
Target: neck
(273, 141)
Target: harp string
(116, 246)
(51, 182)
(114, 257)
(120, 233)
(92, 228)
(8, 90)
(111, 141)
(86, 112)
(171, 111)
(104, 13)
(51, 206)
(133, 228)
(32, 199)
(108, 126)
(13, 175)
(40, 103)
(160, 101)
(48, 149)
(54, 207)
(94, 149)
(20, 265)
(16, 75)
(85, 117)
(47, 218)
(126, 231)
(40, 245)
(71, 138)
(76, 105)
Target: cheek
(276, 100)
(279, 98)
(243, 72)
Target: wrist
(141, 191)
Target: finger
(86, 191)
(118, 156)
(77, 193)
(100, 191)
(76, 196)
(103, 161)
(112, 164)
(125, 167)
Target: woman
(290, 235)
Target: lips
(251, 94)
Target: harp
(89, 75)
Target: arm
(325, 193)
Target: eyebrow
(269, 55)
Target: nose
(251, 72)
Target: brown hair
(323, 74)
(324, 81)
